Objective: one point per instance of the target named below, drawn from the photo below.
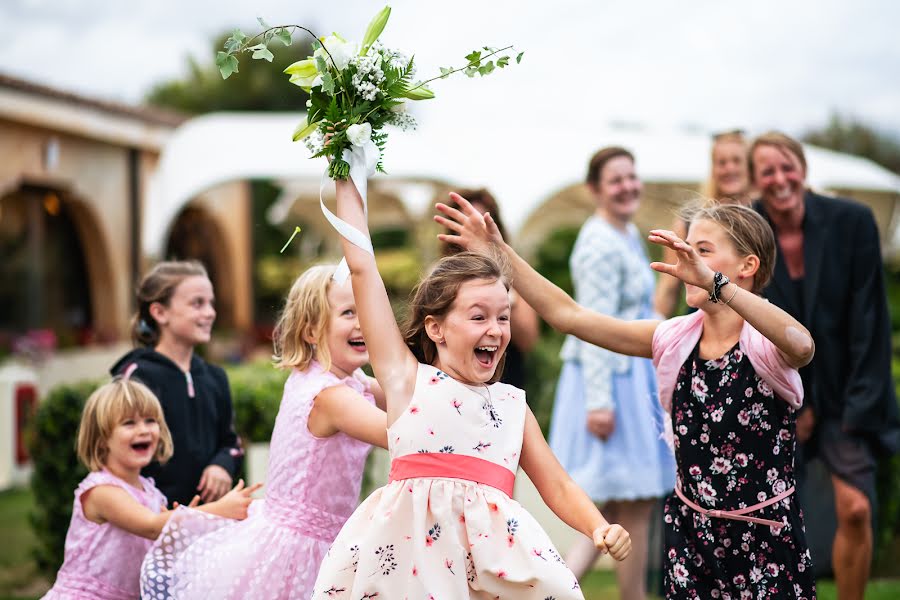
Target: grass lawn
(18, 572)
(19, 578)
(601, 585)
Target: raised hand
(613, 539)
(688, 267)
(472, 230)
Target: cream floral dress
(444, 538)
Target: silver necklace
(479, 391)
(488, 406)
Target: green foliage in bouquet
(355, 90)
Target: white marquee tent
(521, 164)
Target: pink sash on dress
(454, 466)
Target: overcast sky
(710, 64)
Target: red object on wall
(26, 403)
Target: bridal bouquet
(355, 89)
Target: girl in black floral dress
(728, 379)
(735, 444)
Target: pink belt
(739, 514)
(454, 466)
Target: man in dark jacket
(828, 275)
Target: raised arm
(475, 232)
(394, 364)
(789, 336)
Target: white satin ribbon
(362, 161)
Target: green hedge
(57, 471)
(256, 390)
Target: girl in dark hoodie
(176, 311)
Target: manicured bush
(256, 390)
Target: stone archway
(55, 268)
(195, 235)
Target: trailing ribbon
(362, 161)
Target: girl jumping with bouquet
(326, 425)
(446, 526)
(728, 379)
(117, 512)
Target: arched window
(194, 235)
(44, 285)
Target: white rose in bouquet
(360, 134)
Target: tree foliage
(851, 135)
(260, 85)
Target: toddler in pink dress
(117, 512)
(315, 466)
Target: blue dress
(611, 275)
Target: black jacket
(842, 302)
(201, 426)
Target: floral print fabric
(734, 444)
(435, 537)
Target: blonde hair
(106, 408)
(748, 231)
(782, 142)
(436, 293)
(158, 286)
(306, 315)
(711, 188)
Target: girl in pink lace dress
(446, 525)
(117, 512)
(325, 427)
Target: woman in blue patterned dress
(606, 420)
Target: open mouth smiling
(486, 355)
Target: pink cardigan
(674, 340)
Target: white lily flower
(340, 50)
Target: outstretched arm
(475, 232)
(789, 336)
(112, 504)
(394, 365)
(564, 497)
